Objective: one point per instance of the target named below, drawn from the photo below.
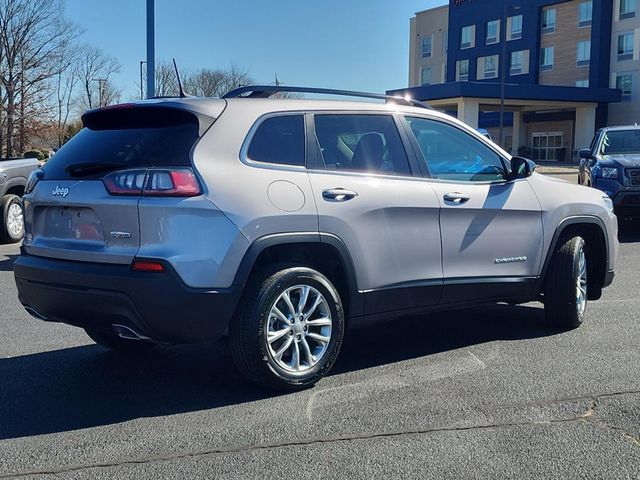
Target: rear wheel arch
(593, 231)
(323, 252)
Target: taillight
(155, 182)
(34, 178)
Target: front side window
(583, 53)
(546, 58)
(427, 45)
(625, 46)
(452, 154)
(582, 83)
(462, 70)
(279, 140)
(468, 37)
(515, 27)
(624, 81)
(585, 13)
(361, 143)
(549, 20)
(493, 32)
(627, 9)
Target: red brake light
(147, 266)
(156, 182)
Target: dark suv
(612, 165)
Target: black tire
(119, 344)
(248, 329)
(6, 234)
(561, 304)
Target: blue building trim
(512, 92)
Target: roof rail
(266, 91)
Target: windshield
(621, 141)
(128, 138)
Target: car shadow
(89, 386)
(6, 265)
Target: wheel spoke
(273, 336)
(281, 316)
(319, 299)
(319, 322)
(304, 295)
(287, 300)
(307, 351)
(284, 348)
(319, 338)
(295, 357)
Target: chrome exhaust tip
(128, 333)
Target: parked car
(612, 164)
(485, 133)
(280, 222)
(13, 180)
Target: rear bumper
(97, 296)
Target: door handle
(338, 194)
(456, 197)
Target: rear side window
(361, 143)
(279, 140)
(126, 138)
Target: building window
(445, 42)
(514, 27)
(625, 46)
(582, 83)
(462, 70)
(585, 14)
(549, 20)
(425, 76)
(493, 32)
(546, 58)
(547, 146)
(488, 67)
(519, 63)
(624, 81)
(627, 9)
(427, 45)
(468, 37)
(583, 53)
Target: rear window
(126, 138)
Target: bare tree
(95, 66)
(217, 82)
(32, 32)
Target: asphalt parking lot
(490, 392)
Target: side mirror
(521, 168)
(585, 153)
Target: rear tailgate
(72, 214)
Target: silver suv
(280, 222)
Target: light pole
(503, 64)
(142, 62)
(151, 49)
(101, 84)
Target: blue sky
(352, 44)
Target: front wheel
(565, 293)
(289, 329)
(12, 226)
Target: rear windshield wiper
(81, 169)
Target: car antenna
(181, 90)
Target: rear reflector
(154, 182)
(147, 266)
